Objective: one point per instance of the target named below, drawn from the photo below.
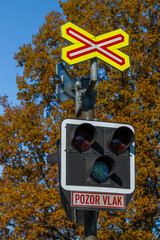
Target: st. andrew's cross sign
(86, 46)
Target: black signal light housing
(97, 157)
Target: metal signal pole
(87, 113)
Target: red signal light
(81, 140)
(121, 140)
(84, 136)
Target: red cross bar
(91, 46)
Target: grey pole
(90, 216)
(90, 225)
(87, 112)
(94, 77)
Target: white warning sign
(99, 200)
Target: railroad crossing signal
(97, 163)
(86, 46)
(96, 159)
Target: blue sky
(19, 20)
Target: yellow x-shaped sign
(86, 46)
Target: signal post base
(90, 224)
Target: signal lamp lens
(121, 139)
(118, 145)
(100, 171)
(81, 140)
(84, 136)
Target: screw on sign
(87, 46)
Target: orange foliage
(30, 204)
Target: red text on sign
(98, 200)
